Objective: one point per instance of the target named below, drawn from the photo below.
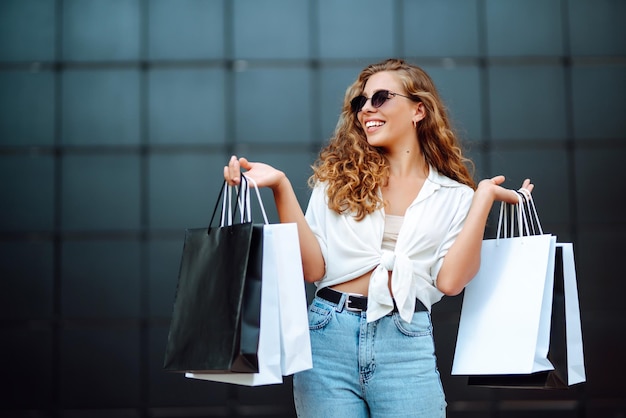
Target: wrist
(485, 192)
(282, 183)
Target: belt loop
(342, 302)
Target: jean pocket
(320, 315)
(419, 326)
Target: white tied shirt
(350, 248)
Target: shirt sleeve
(465, 201)
(316, 218)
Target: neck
(407, 162)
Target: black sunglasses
(378, 99)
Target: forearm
(289, 211)
(462, 261)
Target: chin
(377, 142)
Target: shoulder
(319, 191)
(449, 184)
(319, 198)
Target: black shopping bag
(216, 317)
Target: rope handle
(243, 205)
(522, 215)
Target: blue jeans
(386, 368)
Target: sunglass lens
(357, 103)
(379, 98)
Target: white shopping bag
(295, 341)
(505, 333)
(573, 330)
(505, 317)
(284, 342)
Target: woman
(394, 222)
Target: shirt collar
(435, 177)
(434, 182)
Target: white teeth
(372, 123)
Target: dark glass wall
(116, 117)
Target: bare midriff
(359, 286)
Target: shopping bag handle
(532, 216)
(225, 198)
(258, 195)
(522, 215)
(507, 218)
(243, 204)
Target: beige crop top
(390, 234)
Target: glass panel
(183, 189)
(27, 30)
(98, 30)
(99, 368)
(598, 102)
(186, 29)
(333, 85)
(597, 27)
(100, 107)
(172, 389)
(548, 170)
(273, 105)
(473, 151)
(527, 103)
(598, 176)
(29, 362)
(164, 263)
(296, 165)
(356, 29)
(27, 190)
(100, 192)
(424, 18)
(187, 106)
(599, 255)
(459, 88)
(524, 27)
(261, 26)
(27, 280)
(101, 279)
(26, 108)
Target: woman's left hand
(499, 193)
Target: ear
(420, 113)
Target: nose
(367, 106)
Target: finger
(245, 163)
(235, 170)
(528, 185)
(527, 188)
(228, 172)
(498, 179)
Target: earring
(414, 124)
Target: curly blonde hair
(354, 170)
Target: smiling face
(391, 124)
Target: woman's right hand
(287, 206)
(263, 174)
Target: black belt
(355, 303)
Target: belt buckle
(347, 303)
